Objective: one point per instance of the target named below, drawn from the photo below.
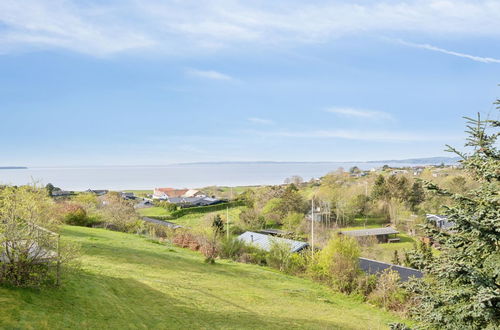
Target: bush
(29, 246)
(253, 255)
(185, 239)
(297, 264)
(231, 248)
(279, 255)
(170, 207)
(75, 215)
(337, 263)
(387, 293)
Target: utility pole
(227, 214)
(312, 227)
(366, 193)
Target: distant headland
(13, 168)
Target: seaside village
(394, 237)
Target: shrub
(119, 214)
(387, 293)
(279, 255)
(297, 264)
(75, 215)
(30, 251)
(231, 248)
(186, 239)
(337, 263)
(253, 255)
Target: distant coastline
(13, 168)
(426, 161)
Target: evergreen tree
(462, 287)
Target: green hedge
(205, 209)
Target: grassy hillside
(127, 281)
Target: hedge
(205, 209)
(198, 209)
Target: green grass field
(385, 251)
(154, 211)
(130, 282)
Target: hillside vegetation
(127, 281)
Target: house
(97, 192)
(61, 193)
(440, 221)
(167, 193)
(264, 241)
(127, 195)
(194, 201)
(381, 234)
(375, 267)
(396, 172)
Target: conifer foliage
(462, 289)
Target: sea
(177, 176)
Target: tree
(354, 170)
(416, 195)
(209, 249)
(50, 188)
(29, 244)
(462, 289)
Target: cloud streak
(378, 136)
(260, 121)
(209, 74)
(360, 113)
(450, 52)
(178, 27)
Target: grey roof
(376, 267)
(370, 232)
(441, 221)
(195, 201)
(264, 241)
(162, 223)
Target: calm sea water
(179, 176)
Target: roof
(441, 221)
(264, 241)
(195, 201)
(171, 192)
(370, 232)
(376, 267)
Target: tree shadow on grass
(90, 301)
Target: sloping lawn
(130, 282)
(154, 211)
(385, 251)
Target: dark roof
(194, 201)
(376, 267)
(264, 241)
(370, 232)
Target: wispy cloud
(209, 74)
(260, 121)
(360, 113)
(450, 52)
(177, 27)
(380, 136)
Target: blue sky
(159, 82)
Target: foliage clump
(462, 288)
